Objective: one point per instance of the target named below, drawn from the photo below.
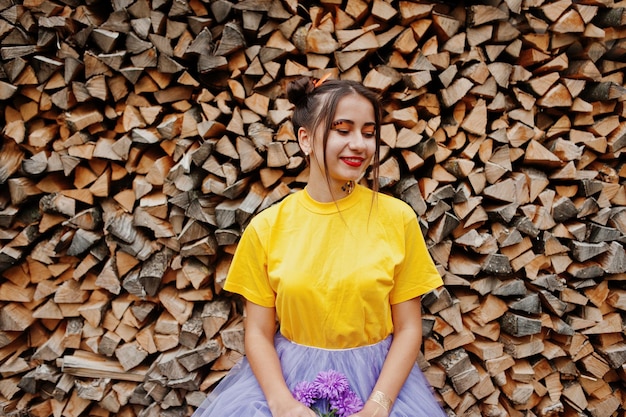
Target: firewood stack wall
(139, 138)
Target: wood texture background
(139, 138)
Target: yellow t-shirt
(332, 270)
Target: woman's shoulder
(271, 211)
(394, 205)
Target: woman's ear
(304, 140)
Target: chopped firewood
(458, 367)
(90, 365)
(138, 145)
(521, 347)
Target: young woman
(338, 269)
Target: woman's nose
(357, 142)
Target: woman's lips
(353, 162)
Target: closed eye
(342, 126)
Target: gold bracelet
(381, 399)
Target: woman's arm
(260, 327)
(403, 352)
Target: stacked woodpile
(139, 138)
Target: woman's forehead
(354, 105)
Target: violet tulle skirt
(240, 395)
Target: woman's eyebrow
(340, 121)
(348, 121)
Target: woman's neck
(325, 193)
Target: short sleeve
(248, 270)
(417, 273)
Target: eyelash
(346, 131)
(370, 135)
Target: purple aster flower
(347, 404)
(331, 384)
(329, 395)
(305, 392)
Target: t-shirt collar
(333, 206)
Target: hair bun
(297, 90)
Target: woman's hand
(291, 408)
(372, 409)
(261, 352)
(403, 352)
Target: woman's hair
(315, 106)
